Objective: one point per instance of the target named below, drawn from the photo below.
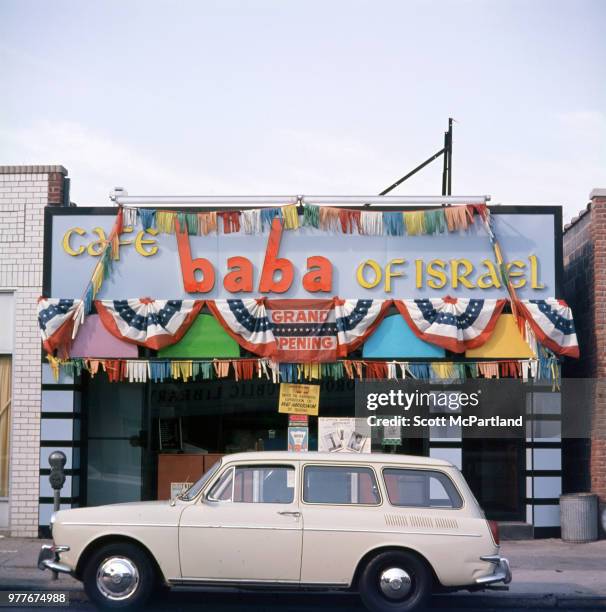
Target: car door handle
(286, 513)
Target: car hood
(141, 513)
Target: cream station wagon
(393, 527)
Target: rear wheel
(395, 582)
(119, 575)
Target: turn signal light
(494, 529)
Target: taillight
(494, 529)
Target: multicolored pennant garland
(455, 324)
(146, 322)
(58, 320)
(551, 322)
(545, 369)
(325, 218)
(246, 321)
(356, 321)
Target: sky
(284, 97)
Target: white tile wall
(23, 197)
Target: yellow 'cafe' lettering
(143, 245)
(67, 247)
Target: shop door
(248, 529)
(494, 469)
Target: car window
(265, 484)
(222, 490)
(199, 485)
(340, 485)
(420, 488)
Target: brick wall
(24, 192)
(585, 291)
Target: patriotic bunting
(146, 322)
(302, 330)
(246, 321)
(551, 322)
(59, 321)
(455, 324)
(357, 320)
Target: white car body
(293, 542)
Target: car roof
(343, 457)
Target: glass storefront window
(5, 418)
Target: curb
(549, 601)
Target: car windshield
(197, 486)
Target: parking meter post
(57, 461)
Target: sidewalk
(546, 574)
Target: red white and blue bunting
(314, 330)
(456, 324)
(357, 320)
(551, 322)
(58, 320)
(154, 324)
(247, 323)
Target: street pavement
(546, 574)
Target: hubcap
(395, 583)
(117, 578)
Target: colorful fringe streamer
(546, 369)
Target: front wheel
(395, 582)
(119, 575)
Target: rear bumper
(49, 559)
(502, 571)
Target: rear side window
(263, 484)
(421, 489)
(340, 485)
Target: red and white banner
(246, 321)
(551, 322)
(58, 320)
(356, 321)
(456, 324)
(146, 322)
(304, 330)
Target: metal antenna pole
(446, 177)
(450, 120)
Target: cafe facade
(177, 331)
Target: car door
(339, 505)
(247, 528)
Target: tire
(121, 558)
(409, 588)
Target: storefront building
(171, 332)
(584, 286)
(25, 192)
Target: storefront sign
(343, 435)
(176, 488)
(305, 263)
(298, 420)
(298, 439)
(392, 435)
(299, 399)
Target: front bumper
(49, 558)
(502, 571)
